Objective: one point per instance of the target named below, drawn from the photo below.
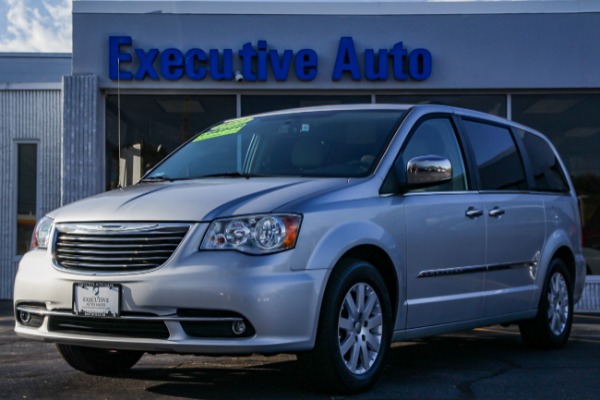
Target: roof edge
(334, 7)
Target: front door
(445, 234)
(445, 258)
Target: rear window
(547, 172)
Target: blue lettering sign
(262, 60)
(306, 62)
(257, 63)
(116, 57)
(247, 53)
(346, 60)
(146, 67)
(220, 71)
(281, 66)
(171, 64)
(398, 53)
(376, 68)
(415, 65)
(420, 63)
(194, 59)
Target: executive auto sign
(259, 63)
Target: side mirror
(428, 170)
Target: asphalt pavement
(489, 363)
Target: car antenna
(119, 184)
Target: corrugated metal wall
(31, 116)
(590, 299)
(83, 147)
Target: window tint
(437, 137)
(547, 173)
(497, 158)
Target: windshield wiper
(160, 178)
(229, 175)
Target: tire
(551, 327)
(99, 361)
(352, 345)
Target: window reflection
(152, 126)
(572, 122)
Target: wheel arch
(561, 245)
(565, 254)
(383, 263)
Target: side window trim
(473, 179)
(525, 159)
(459, 140)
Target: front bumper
(186, 306)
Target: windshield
(337, 143)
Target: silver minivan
(327, 232)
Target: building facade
(146, 75)
(30, 148)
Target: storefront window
(258, 104)
(26, 194)
(491, 104)
(152, 126)
(572, 122)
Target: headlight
(41, 233)
(256, 234)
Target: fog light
(238, 327)
(24, 316)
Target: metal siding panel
(590, 299)
(80, 138)
(26, 115)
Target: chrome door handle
(473, 212)
(496, 212)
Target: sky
(35, 26)
(43, 25)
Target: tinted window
(497, 158)
(437, 137)
(547, 173)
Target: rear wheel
(99, 361)
(552, 325)
(354, 330)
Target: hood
(197, 200)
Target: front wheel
(99, 361)
(354, 331)
(551, 327)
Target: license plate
(97, 299)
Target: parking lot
(486, 363)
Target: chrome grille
(116, 247)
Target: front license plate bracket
(97, 299)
